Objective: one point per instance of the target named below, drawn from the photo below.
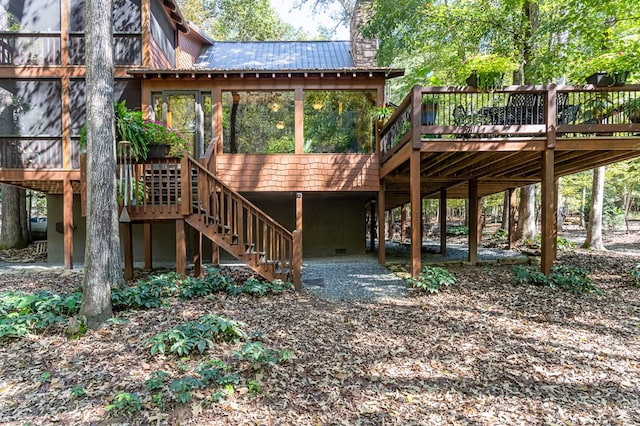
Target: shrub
(635, 275)
(432, 279)
(125, 403)
(196, 335)
(22, 313)
(572, 279)
(458, 230)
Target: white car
(38, 226)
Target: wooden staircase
(236, 225)
(185, 190)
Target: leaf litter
(484, 352)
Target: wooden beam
(443, 221)
(297, 244)
(474, 221)
(435, 145)
(372, 226)
(181, 247)
(67, 220)
(416, 214)
(381, 209)
(549, 231)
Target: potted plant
(487, 71)
(164, 141)
(612, 68)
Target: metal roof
(276, 56)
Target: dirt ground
(483, 352)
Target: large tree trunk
(14, 223)
(593, 240)
(526, 229)
(103, 264)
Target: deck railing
(510, 112)
(29, 49)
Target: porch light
(280, 125)
(317, 105)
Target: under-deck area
(455, 142)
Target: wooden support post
(382, 255)
(443, 221)
(474, 221)
(403, 223)
(372, 226)
(297, 245)
(127, 242)
(416, 213)
(148, 247)
(181, 247)
(297, 260)
(549, 231)
(67, 219)
(299, 121)
(512, 218)
(390, 225)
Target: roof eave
(386, 73)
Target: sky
(307, 19)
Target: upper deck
(497, 137)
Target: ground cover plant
(483, 352)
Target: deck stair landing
(216, 211)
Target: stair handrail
(203, 169)
(210, 154)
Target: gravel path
(352, 278)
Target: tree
(550, 40)
(14, 218)
(103, 264)
(238, 20)
(594, 227)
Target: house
(283, 139)
(288, 120)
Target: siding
(308, 172)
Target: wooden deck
(480, 143)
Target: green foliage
(254, 387)
(634, 274)
(142, 296)
(76, 392)
(156, 380)
(197, 335)
(458, 230)
(183, 387)
(572, 279)
(432, 279)
(22, 313)
(125, 403)
(259, 288)
(565, 244)
(257, 354)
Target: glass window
(30, 108)
(338, 121)
(258, 122)
(30, 16)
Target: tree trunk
(103, 264)
(506, 205)
(526, 229)
(12, 234)
(593, 240)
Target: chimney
(363, 50)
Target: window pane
(258, 122)
(30, 108)
(338, 121)
(30, 16)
